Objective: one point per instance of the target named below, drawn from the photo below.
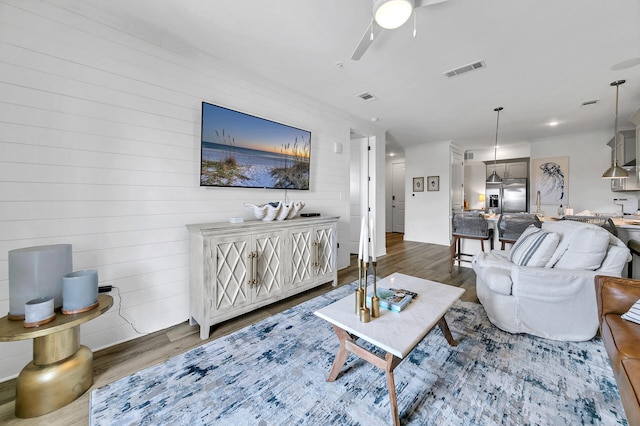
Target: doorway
(397, 197)
(358, 187)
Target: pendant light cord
(495, 146)
(615, 129)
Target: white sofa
(550, 294)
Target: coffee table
(397, 333)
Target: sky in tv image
(242, 150)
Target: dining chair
(512, 225)
(603, 221)
(468, 225)
(634, 248)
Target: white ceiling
(544, 58)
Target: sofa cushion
(497, 279)
(615, 260)
(624, 336)
(565, 230)
(586, 250)
(534, 247)
(494, 259)
(633, 314)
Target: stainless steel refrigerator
(508, 196)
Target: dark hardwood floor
(426, 261)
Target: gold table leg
(60, 372)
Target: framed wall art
(551, 178)
(433, 183)
(418, 184)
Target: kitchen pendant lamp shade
(494, 177)
(390, 14)
(615, 171)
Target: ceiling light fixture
(616, 172)
(390, 14)
(553, 123)
(494, 176)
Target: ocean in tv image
(242, 150)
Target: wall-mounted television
(241, 150)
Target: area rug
(274, 373)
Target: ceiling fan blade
(366, 41)
(423, 3)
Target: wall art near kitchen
(418, 184)
(433, 183)
(551, 178)
(242, 150)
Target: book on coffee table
(393, 300)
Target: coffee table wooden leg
(391, 363)
(388, 364)
(442, 323)
(341, 356)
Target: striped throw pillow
(534, 247)
(633, 314)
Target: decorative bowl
(275, 210)
(289, 210)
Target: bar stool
(472, 226)
(634, 248)
(603, 221)
(512, 225)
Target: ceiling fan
(388, 14)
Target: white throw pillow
(633, 314)
(534, 247)
(586, 250)
(565, 230)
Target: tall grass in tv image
(245, 151)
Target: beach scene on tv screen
(242, 150)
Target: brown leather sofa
(621, 338)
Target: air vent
(465, 68)
(592, 102)
(469, 155)
(366, 96)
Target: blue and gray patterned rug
(274, 373)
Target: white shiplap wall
(99, 147)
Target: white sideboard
(235, 268)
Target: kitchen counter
(626, 222)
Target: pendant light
(494, 176)
(616, 172)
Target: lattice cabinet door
(300, 252)
(268, 274)
(232, 263)
(324, 251)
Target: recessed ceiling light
(553, 123)
(374, 119)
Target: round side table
(62, 368)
